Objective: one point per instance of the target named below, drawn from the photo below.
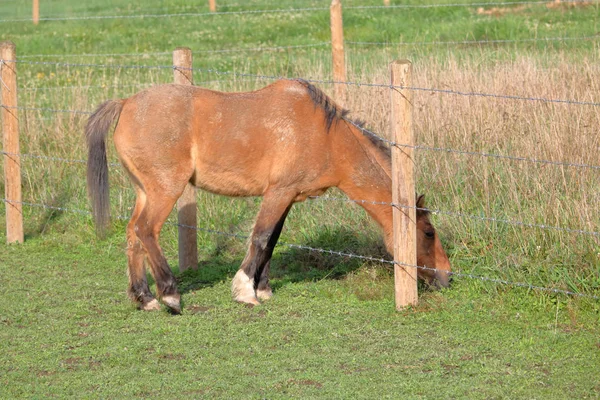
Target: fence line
(320, 44)
(469, 153)
(459, 214)
(46, 109)
(545, 39)
(138, 85)
(50, 158)
(289, 10)
(332, 82)
(359, 201)
(333, 252)
(240, 50)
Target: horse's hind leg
(157, 208)
(138, 290)
(274, 209)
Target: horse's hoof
(173, 303)
(264, 294)
(242, 289)
(152, 305)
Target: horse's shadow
(293, 263)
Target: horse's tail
(96, 131)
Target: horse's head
(430, 253)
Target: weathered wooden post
(403, 187)
(10, 131)
(36, 11)
(186, 205)
(212, 5)
(337, 49)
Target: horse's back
(229, 143)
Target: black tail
(96, 131)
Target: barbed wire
(45, 109)
(544, 39)
(459, 214)
(286, 11)
(138, 85)
(330, 82)
(50, 158)
(172, 15)
(468, 5)
(470, 153)
(320, 44)
(337, 253)
(142, 54)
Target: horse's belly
(228, 182)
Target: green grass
(68, 330)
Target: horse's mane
(335, 113)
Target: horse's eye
(430, 234)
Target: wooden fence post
(186, 205)
(403, 187)
(212, 5)
(12, 156)
(337, 49)
(36, 11)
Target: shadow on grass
(289, 264)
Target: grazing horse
(285, 142)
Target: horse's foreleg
(138, 290)
(274, 209)
(147, 228)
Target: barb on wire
(470, 153)
(359, 84)
(545, 39)
(461, 215)
(338, 253)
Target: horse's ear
(421, 201)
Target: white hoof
(242, 289)
(152, 305)
(264, 294)
(173, 302)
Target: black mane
(335, 113)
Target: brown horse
(285, 142)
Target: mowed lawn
(68, 330)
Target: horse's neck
(368, 177)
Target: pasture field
(67, 328)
